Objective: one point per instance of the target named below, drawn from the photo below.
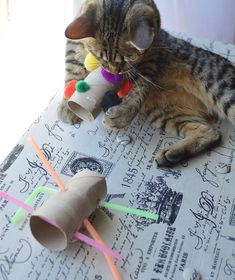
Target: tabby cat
(181, 88)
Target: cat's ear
(141, 34)
(82, 27)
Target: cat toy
(57, 221)
(85, 96)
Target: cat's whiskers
(133, 80)
(145, 78)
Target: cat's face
(117, 32)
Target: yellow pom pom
(91, 63)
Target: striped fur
(181, 88)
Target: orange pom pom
(126, 87)
(70, 89)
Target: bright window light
(32, 47)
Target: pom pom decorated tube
(86, 99)
(86, 105)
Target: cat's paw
(119, 116)
(66, 115)
(168, 157)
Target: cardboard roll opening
(48, 234)
(80, 111)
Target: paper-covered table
(195, 201)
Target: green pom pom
(82, 86)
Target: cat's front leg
(120, 116)
(75, 70)
(65, 114)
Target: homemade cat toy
(85, 96)
(98, 243)
(49, 245)
(56, 222)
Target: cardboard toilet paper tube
(86, 105)
(55, 222)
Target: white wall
(31, 63)
(212, 19)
